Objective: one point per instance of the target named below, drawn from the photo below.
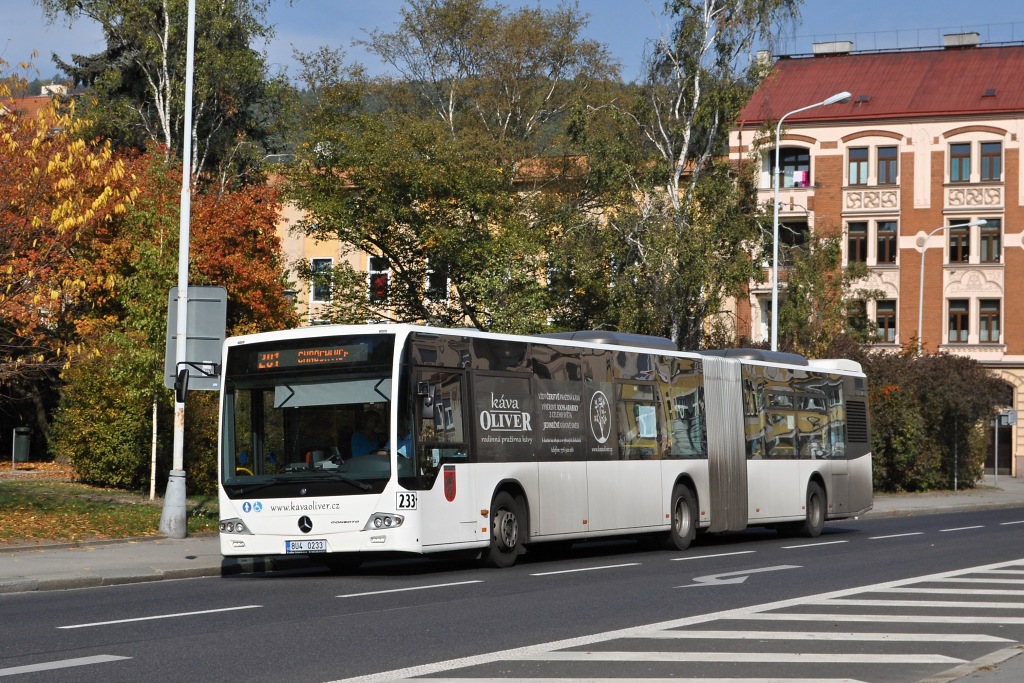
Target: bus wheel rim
(506, 529)
(682, 516)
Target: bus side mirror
(181, 385)
(425, 390)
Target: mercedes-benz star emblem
(305, 524)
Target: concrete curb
(989, 664)
(71, 545)
(935, 510)
(227, 567)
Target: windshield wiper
(243, 489)
(337, 476)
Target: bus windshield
(307, 413)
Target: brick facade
(958, 160)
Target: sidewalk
(108, 563)
(105, 563)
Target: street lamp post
(835, 99)
(920, 291)
(174, 518)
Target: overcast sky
(624, 26)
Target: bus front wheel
(684, 519)
(506, 531)
(814, 521)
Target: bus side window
(687, 431)
(638, 422)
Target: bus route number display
(310, 357)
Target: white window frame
(371, 272)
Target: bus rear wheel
(684, 519)
(506, 531)
(814, 521)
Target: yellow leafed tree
(60, 195)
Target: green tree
(900, 459)
(958, 397)
(137, 81)
(437, 172)
(819, 294)
(683, 222)
(928, 416)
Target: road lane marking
(587, 569)
(1019, 521)
(741, 657)
(61, 664)
(410, 588)
(705, 557)
(823, 635)
(963, 528)
(879, 538)
(161, 616)
(812, 545)
(726, 578)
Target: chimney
(837, 47)
(951, 40)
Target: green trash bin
(22, 440)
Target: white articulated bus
(359, 441)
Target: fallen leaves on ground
(48, 510)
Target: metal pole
(835, 99)
(173, 520)
(956, 455)
(775, 243)
(995, 438)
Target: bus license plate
(306, 545)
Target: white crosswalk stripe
(822, 635)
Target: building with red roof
(927, 147)
(24, 106)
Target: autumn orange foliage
(58, 193)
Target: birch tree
(685, 224)
(137, 82)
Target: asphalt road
(598, 610)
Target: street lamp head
(838, 98)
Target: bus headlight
(383, 520)
(233, 526)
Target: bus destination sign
(310, 357)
